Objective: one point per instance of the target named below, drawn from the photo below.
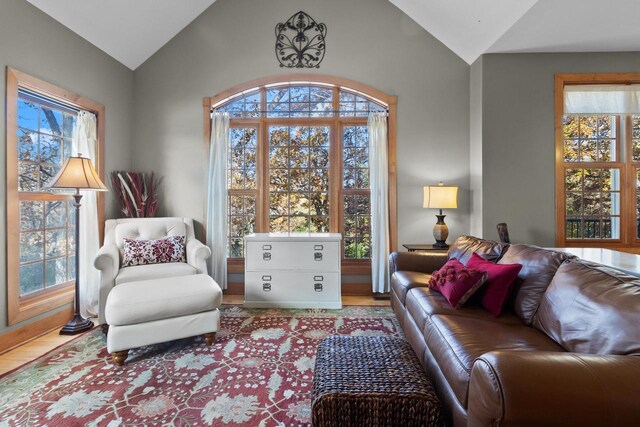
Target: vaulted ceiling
(128, 30)
(132, 31)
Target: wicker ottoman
(371, 381)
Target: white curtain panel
(217, 197)
(379, 181)
(602, 99)
(84, 142)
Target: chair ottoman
(371, 381)
(153, 311)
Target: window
(41, 247)
(299, 179)
(598, 161)
(241, 187)
(47, 250)
(298, 161)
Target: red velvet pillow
(499, 284)
(456, 282)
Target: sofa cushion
(592, 309)
(499, 282)
(538, 267)
(424, 302)
(465, 246)
(456, 341)
(148, 300)
(456, 282)
(403, 281)
(154, 271)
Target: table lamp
(440, 197)
(77, 173)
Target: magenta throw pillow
(501, 278)
(456, 282)
(141, 252)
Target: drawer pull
(266, 247)
(317, 256)
(318, 278)
(317, 287)
(266, 278)
(318, 247)
(266, 256)
(266, 287)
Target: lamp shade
(440, 197)
(78, 173)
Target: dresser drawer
(317, 256)
(291, 289)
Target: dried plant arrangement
(136, 193)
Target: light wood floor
(39, 346)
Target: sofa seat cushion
(589, 308)
(423, 302)
(403, 281)
(457, 341)
(149, 300)
(153, 271)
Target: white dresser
(297, 270)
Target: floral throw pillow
(141, 252)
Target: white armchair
(109, 256)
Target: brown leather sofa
(565, 351)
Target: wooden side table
(424, 247)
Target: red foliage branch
(136, 193)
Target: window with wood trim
(41, 247)
(597, 161)
(298, 162)
(47, 249)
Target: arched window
(298, 161)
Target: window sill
(21, 309)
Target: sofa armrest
(107, 260)
(509, 388)
(423, 262)
(197, 255)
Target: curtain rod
(42, 99)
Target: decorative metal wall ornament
(300, 42)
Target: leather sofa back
(592, 309)
(538, 268)
(465, 246)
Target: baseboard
(356, 289)
(33, 330)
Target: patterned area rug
(258, 372)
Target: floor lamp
(77, 173)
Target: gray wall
(370, 41)
(518, 146)
(475, 148)
(34, 43)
